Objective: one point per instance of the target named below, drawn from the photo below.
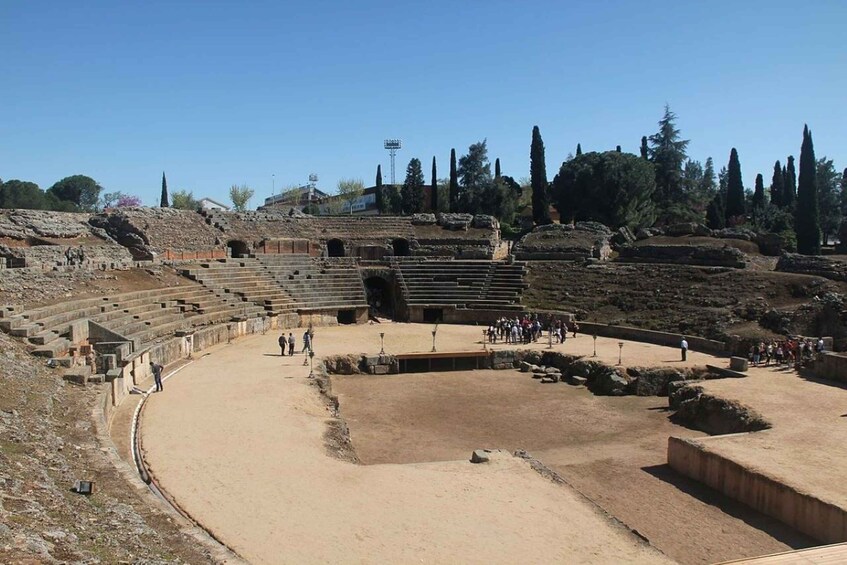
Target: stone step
(56, 348)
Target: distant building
(298, 198)
(364, 205)
(209, 204)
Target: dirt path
(237, 439)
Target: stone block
(99, 378)
(480, 456)
(577, 380)
(738, 364)
(78, 375)
(113, 374)
(381, 369)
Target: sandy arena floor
(237, 440)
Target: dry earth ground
(237, 439)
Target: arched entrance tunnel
(335, 248)
(401, 247)
(380, 296)
(238, 248)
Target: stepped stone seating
(141, 316)
(469, 284)
(317, 284)
(247, 278)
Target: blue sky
(222, 93)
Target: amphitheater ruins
(408, 432)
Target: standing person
(156, 369)
(281, 341)
(307, 342)
(291, 344)
(575, 327)
(683, 347)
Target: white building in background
(209, 204)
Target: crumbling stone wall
(584, 240)
(685, 255)
(812, 265)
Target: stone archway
(238, 248)
(401, 247)
(335, 248)
(380, 295)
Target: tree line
(661, 185)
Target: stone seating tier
(317, 283)
(478, 284)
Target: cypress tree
(759, 193)
(578, 149)
(644, 152)
(777, 185)
(380, 197)
(433, 187)
(618, 148)
(538, 179)
(454, 183)
(807, 223)
(734, 187)
(163, 202)
(790, 194)
(497, 168)
(844, 193)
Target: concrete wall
(821, 520)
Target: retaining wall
(832, 366)
(824, 521)
(650, 336)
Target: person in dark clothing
(291, 344)
(156, 369)
(282, 345)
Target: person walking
(282, 344)
(291, 344)
(156, 369)
(683, 347)
(307, 342)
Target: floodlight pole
(620, 352)
(382, 343)
(393, 145)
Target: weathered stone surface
(738, 364)
(549, 379)
(562, 241)
(812, 265)
(576, 381)
(653, 381)
(735, 233)
(609, 382)
(717, 416)
(525, 367)
(480, 456)
(688, 228)
(623, 236)
(485, 221)
(452, 221)
(685, 255)
(423, 219)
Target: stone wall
(649, 336)
(831, 366)
(810, 265)
(684, 255)
(584, 240)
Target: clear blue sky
(216, 93)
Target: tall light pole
(273, 187)
(393, 145)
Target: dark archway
(238, 248)
(380, 297)
(401, 247)
(335, 248)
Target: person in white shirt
(683, 346)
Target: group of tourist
(291, 341)
(529, 328)
(789, 352)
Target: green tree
(412, 192)
(829, 198)
(645, 151)
(349, 190)
(734, 188)
(23, 195)
(163, 201)
(474, 177)
(707, 182)
(777, 185)
(578, 149)
(844, 192)
(497, 173)
(759, 196)
(454, 183)
(538, 179)
(807, 224)
(240, 196)
(78, 189)
(667, 152)
(716, 212)
(380, 197)
(184, 200)
(433, 188)
(790, 183)
(119, 200)
(612, 188)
